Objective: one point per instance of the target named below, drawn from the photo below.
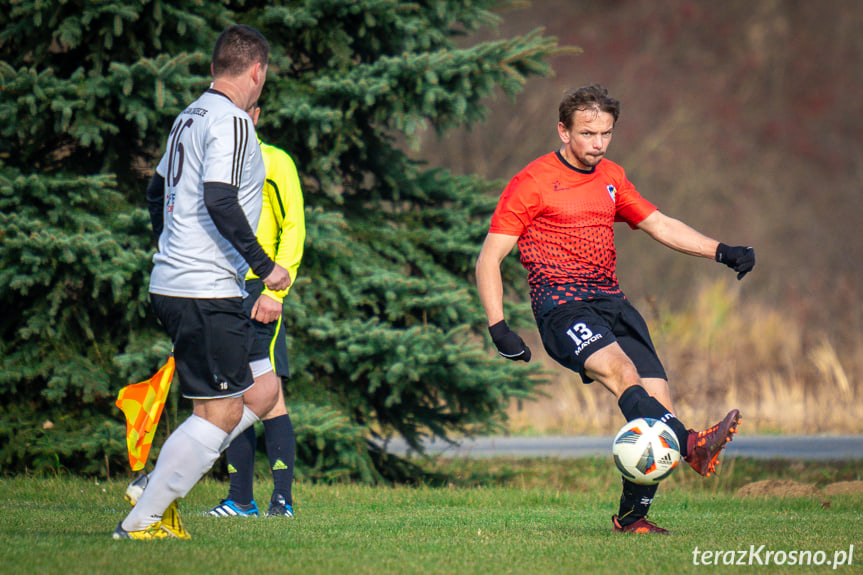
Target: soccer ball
(646, 451)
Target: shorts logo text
(582, 336)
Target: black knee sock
(635, 402)
(241, 466)
(281, 450)
(635, 502)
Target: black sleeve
(156, 204)
(224, 209)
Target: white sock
(249, 418)
(185, 457)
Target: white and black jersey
(204, 246)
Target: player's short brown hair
(593, 97)
(237, 48)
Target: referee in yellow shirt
(281, 232)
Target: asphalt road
(834, 447)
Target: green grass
(495, 516)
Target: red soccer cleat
(703, 448)
(640, 526)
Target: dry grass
(722, 352)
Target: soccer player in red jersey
(560, 211)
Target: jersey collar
(218, 93)
(571, 167)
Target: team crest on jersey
(612, 191)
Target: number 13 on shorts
(582, 336)
(579, 333)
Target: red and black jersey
(564, 220)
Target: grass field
(513, 516)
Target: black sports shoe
(279, 507)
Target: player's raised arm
(681, 237)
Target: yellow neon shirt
(282, 227)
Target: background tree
(386, 329)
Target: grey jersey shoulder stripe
(241, 142)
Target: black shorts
(270, 339)
(573, 331)
(212, 339)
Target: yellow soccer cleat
(169, 527)
(172, 523)
(154, 531)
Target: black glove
(739, 258)
(508, 343)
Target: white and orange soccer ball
(646, 451)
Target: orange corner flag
(142, 405)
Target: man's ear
(259, 72)
(563, 132)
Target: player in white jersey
(212, 141)
(204, 203)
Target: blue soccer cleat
(229, 508)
